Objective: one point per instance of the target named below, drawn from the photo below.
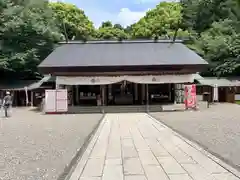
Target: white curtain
(103, 80)
(161, 79)
(87, 80)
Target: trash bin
(206, 97)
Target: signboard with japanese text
(190, 96)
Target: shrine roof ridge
(122, 41)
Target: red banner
(190, 96)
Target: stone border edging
(198, 147)
(69, 168)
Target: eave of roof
(219, 82)
(29, 84)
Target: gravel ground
(217, 129)
(38, 147)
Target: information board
(56, 101)
(190, 96)
(61, 100)
(50, 101)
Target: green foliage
(221, 47)
(107, 24)
(118, 26)
(27, 34)
(217, 37)
(109, 32)
(238, 2)
(160, 22)
(200, 14)
(72, 20)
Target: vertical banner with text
(190, 96)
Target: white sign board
(50, 101)
(56, 101)
(62, 100)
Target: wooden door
(222, 94)
(230, 95)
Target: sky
(124, 12)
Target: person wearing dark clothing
(7, 102)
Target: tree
(27, 34)
(106, 24)
(199, 15)
(160, 22)
(118, 26)
(217, 37)
(72, 20)
(109, 32)
(220, 45)
(238, 2)
(128, 29)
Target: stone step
(123, 109)
(84, 109)
(114, 109)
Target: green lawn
(238, 102)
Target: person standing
(7, 102)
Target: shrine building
(139, 73)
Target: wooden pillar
(139, 93)
(14, 101)
(103, 94)
(57, 85)
(170, 92)
(32, 97)
(73, 95)
(147, 98)
(136, 92)
(107, 95)
(175, 94)
(110, 93)
(77, 94)
(70, 95)
(143, 93)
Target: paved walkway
(136, 147)
(217, 129)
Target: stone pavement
(137, 147)
(217, 129)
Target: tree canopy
(215, 26)
(108, 31)
(160, 22)
(72, 21)
(29, 33)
